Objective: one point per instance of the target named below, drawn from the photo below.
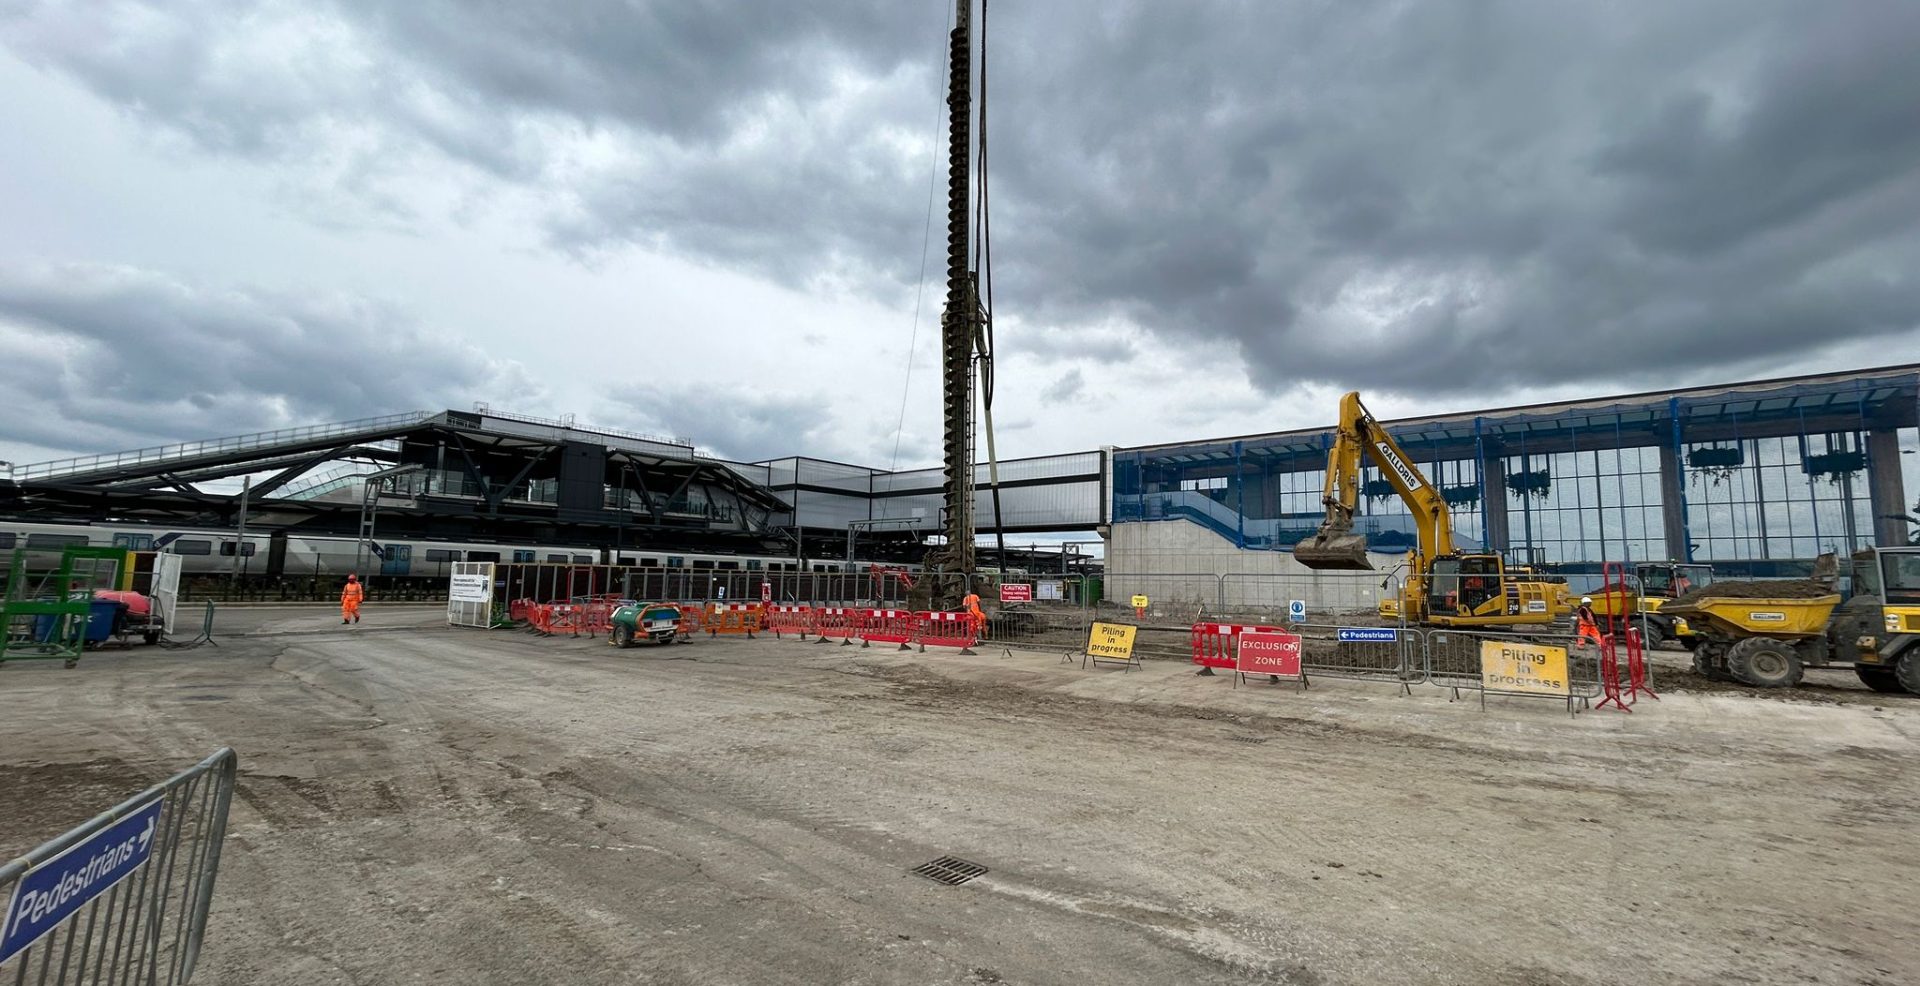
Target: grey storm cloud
(1427, 198)
(749, 427)
(115, 357)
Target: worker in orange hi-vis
(972, 603)
(350, 600)
(1585, 623)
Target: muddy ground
(426, 805)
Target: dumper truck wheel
(1763, 662)
(1908, 671)
(622, 635)
(1651, 635)
(1878, 679)
(1703, 663)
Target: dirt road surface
(426, 805)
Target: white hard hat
(1586, 600)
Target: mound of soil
(1756, 589)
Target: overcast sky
(708, 219)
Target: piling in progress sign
(1531, 669)
(1110, 642)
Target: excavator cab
(1466, 586)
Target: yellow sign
(1139, 602)
(1110, 642)
(1529, 668)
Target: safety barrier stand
(692, 621)
(733, 619)
(947, 630)
(831, 622)
(1637, 684)
(1215, 645)
(887, 626)
(789, 619)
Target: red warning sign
(1016, 592)
(1269, 653)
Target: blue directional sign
(1297, 610)
(52, 891)
(1368, 635)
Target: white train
(213, 552)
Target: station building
(1757, 478)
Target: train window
(518, 556)
(753, 564)
(730, 566)
(562, 559)
(494, 556)
(435, 555)
(819, 568)
(649, 563)
(583, 559)
(833, 568)
(703, 564)
(133, 542)
(184, 547)
(226, 550)
(6, 540)
(625, 560)
(53, 542)
(676, 561)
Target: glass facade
(1759, 479)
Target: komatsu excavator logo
(1407, 475)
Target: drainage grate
(950, 870)
(1249, 739)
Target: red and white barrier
(947, 630)
(789, 619)
(831, 623)
(1216, 645)
(888, 626)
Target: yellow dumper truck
(1765, 634)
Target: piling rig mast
(966, 326)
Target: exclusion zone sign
(54, 890)
(1269, 653)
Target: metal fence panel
(148, 926)
(1383, 653)
(1453, 658)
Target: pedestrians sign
(52, 891)
(1297, 611)
(1368, 635)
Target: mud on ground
(426, 805)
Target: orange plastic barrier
(692, 621)
(888, 626)
(733, 618)
(833, 622)
(565, 618)
(596, 618)
(947, 630)
(789, 619)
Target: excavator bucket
(1336, 551)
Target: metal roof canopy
(1882, 397)
(499, 453)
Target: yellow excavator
(1444, 587)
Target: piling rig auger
(966, 331)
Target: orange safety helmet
(352, 578)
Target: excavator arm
(1335, 546)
